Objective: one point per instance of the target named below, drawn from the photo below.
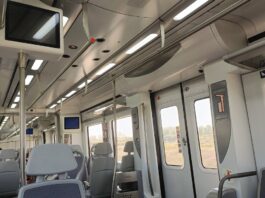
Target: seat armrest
(86, 185)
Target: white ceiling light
(46, 28)
(105, 69)
(191, 8)
(28, 79)
(61, 100)
(82, 85)
(13, 106)
(65, 20)
(54, 105)
(18, 93)
(102, 109)
(70, 94)
(5, 119)
(17, 99)
(142, 43)
(36, 65)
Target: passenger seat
(127, 162)
(102, 170)
(9, 173)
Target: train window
(171, 136)
(124, 134)
(95, 134)
(205, 133)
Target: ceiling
(120, 23)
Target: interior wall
(254, 87)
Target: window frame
(198, 135)
(162, 142)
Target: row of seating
(60, 170)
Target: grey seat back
(49, 159)
(102, 170)
(127, 162)
(80, 172)
(9, 178)
(9, 173)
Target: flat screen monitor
(71, 123)
(29, 131)
(33, 25)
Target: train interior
(132, 98)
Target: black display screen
(29, 24)
(71, 123)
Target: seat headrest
(51, 159)
(102, 149)
(10, 154)
(128, 148)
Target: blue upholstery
(53, 189)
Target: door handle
(184, 141)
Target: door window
(205, 133)
(171, 136)
(124, 134)
(95, 133)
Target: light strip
(36, 65)
(65, 20)
(105, 69)
(13, 106)
(17, 99)
(61, 100)
(47, 27)
(54, 105)
(82, 85)
(102, 109)
(70, 94)
(142, 43)
(187, 11)
(28, 79)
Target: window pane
(124, 134)
(205, 131)
(171, 136)
(95, 134)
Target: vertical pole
(115, 139)
(22, 60)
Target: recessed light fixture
(54, 105)
(13, 106)
(102, 109)
(17, 99)
(105, 69)
(70, 94)
(66, 56)
(82, 85)
(188, 10)
(72, 47)
(105, 51)
(65, 20)
(100, 40)
(36, 65)
(28, 79)
(142, 43)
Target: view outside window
(95, 134)
(124, 134)
(172, 136)
(205, 133)
(68, 139)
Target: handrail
(233, 176)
